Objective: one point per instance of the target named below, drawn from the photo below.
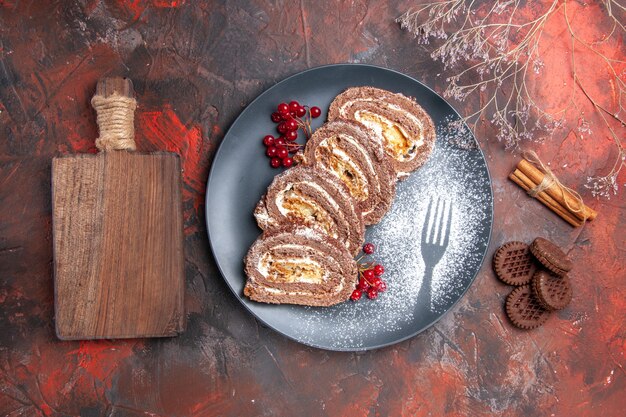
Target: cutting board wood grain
(117, 234)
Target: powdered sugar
(455, 174)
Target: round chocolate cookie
(551, 291)
(550, 256)
(523, 310)
(514, 264)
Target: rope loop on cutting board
(116, 117)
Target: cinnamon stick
(547, 200)
(523, 181)
(563, 197)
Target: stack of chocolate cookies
(539, 271)
(314, 215)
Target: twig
(480, 37)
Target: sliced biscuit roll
(406, 130)
(306, 196)
(299, 265)
(354, 154)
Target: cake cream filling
(345, 159)
(356, 181)
(309, 234)
(294, 246)
(357, 145)
(342, 109)
(280, 198)
(410, 115)
(335, 290)
(328, 197)
(398, 142)
(289, 201)
(291, 270)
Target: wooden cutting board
(117, 232)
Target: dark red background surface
(195, 66)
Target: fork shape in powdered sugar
(435, 239)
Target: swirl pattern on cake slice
(299, 265)
(303, 195)
(354, 154)
(406, 130)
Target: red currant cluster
(369, 277)
(290, 117)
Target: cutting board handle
(115, 106)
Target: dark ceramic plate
(455, 176)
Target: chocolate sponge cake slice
(355, 155)
(299, 265)
(406, 130)
(304, 195)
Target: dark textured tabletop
(195, 66)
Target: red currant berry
(356, 295)
(301, 111)
(271, 151)
(368, 248)
(294, 106)
(276, 117)
(291, 125)
(275, 162)
(293, 114)
(291, 136)
(381, 286)
(372, 293)
(375, 281)
(279, 141)
(287, 162)
(315, 112)
(286, 116)
(282, 127)
(282, 152)
(379, 270)
(368, 275)
(268, 140)
(283, 108)
(362, 285)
